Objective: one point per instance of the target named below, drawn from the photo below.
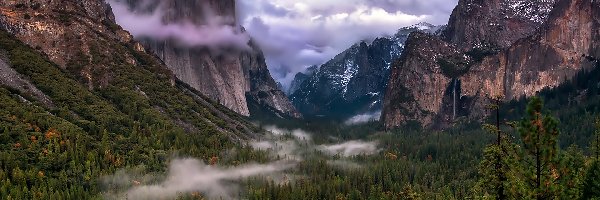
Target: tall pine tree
(494, 168)
(539, 133)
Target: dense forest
(465, 162)
(540, 148)
(61, 151)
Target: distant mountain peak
(354, 81)
(422, 26)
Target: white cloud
(350, 148)
(216, 32)
(299, 134)
(363, 118)
(186, 176)
(296, 34)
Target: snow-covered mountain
(299, 78)
(496, 24)
(354, 81)
(534, 11)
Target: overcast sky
(295, 34)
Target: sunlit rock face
(423, 89)
(354, 81)
(66, 31)
(227, 74)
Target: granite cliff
(100, 76)
(503, 48)
(227, 74)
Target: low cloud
(298, 144)
(285, 144)
(297, 133)
(364, 118)
(350, 148)
(287, 149)
(188, 176)
(215, 32)
(297, 34)
(192, 176)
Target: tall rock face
(227, 75)
(354, 81)
(96, 75)
(66, 30)
(26, 19)
(469, 75)
(416, 92)
(496, 23)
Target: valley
(179, 99)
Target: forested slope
(59, 147)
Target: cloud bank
(215, 32)
(193, 177)
(188, 176)
(350, 148)
(299, 134)
(297, 34)
(300, 143)
(294, 34)
(363, 118)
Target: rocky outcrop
(83, 39)
(51, 26)
(12, 79)
(264, 89)
(545, 58)
(299, 78)
(69, 32)
(417, 83)
(226, 75)
(354, 81)
(496, 23)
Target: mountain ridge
(111, 66)
(544, 58)
(354, 81)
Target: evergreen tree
(497, 179)
(572, 170)
(539, 133)
(591, 185)
(595, 146)
(489, 184)
(494, 169)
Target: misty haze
(299, 99)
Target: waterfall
(454, 101)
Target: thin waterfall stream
(454, 99)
